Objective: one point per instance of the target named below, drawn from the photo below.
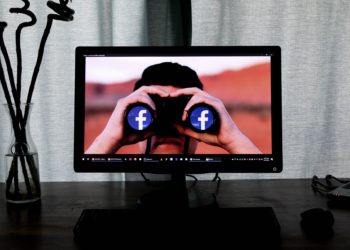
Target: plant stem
(16, 118)
(19, 121)
(34, 172)
(9, 102)
(68, 16)
(9, 179)
(25, 174)
(38, 63)
(23, 10)
(15, 165)
(12, 80)
(9, 69)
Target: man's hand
(228, 137)
(113, 136)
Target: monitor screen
(201, 109)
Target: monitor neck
(176, 196)
(179, 189)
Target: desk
(49, 226)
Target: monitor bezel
(274, 166)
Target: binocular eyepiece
(140, 117)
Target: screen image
(178, 105)
(193, 109)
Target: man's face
(170, 144)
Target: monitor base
(248, 226)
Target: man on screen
(170, 80)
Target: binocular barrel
(139, 117)
(201, 118)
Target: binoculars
(140, 117)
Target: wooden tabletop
(49, 224)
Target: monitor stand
(176, 195)
(167, 216)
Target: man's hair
(168, 73)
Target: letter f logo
(203, 119)
(141, 118)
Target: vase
(22, 183)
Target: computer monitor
(178, 110)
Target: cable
(216, 177)
(321, 188)
(195, 181)
(316, 182)
(192, 176)
(330, 177)
(152, 183)
(148, 181)
(217, 189)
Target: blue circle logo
(202, 118)
(139, 118)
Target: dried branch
(16, 117)
(64, 13)
(24, 10)
(9, 67)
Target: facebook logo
(139, 118)
(202, 118)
